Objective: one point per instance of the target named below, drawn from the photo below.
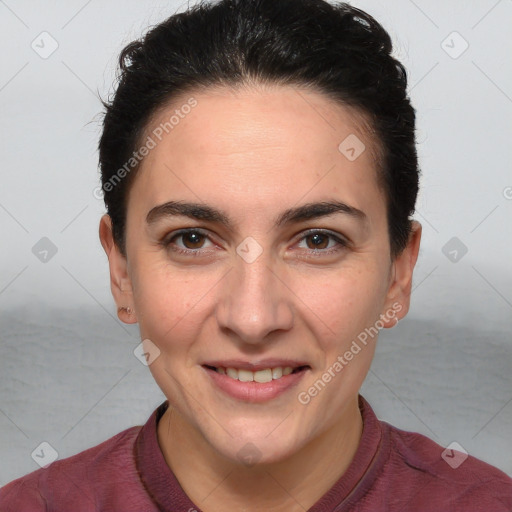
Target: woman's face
(249, 267)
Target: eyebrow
(200, 211)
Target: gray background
(68, 375)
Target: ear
(400, 286)
(120, 282)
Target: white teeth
(261, 376)
(245, 376)
(232, 373)
(277, 373)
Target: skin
(254, 153)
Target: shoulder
(442, 475)
(84, 476)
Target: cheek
(168, 301)
(344, 303)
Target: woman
(259, 171)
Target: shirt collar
(166, 492)
(160, 482)
(366, 465)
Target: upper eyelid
(182, 232)
(303, 234)
(323, 231)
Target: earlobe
(120, 282)
(400, 288)
(126, 314)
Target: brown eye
(322, 243)
(188, 241)
(192, 240)
(318, 241)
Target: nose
(255, 302)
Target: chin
(250, 450)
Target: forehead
(264, 141)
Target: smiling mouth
(260, 376)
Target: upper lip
(254, 366)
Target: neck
(215, 483)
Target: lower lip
(254, 391)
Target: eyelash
(168, 241)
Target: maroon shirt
(392, 470)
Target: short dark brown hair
(334, 49)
